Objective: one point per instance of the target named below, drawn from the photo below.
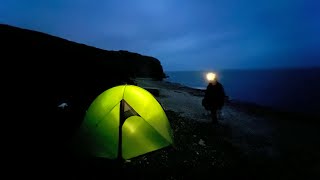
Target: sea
(292, 90)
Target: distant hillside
(40, 71)
(76, 67)
(68, 53)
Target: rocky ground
(250, 142)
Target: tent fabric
(134, 144)
(145, 125)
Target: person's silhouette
(214, 98)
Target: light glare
(211, 76)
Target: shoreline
(277, 90)
(249, 142)
(258, 134)
(248, 106)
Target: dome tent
(124, 122)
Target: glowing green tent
(128, 112)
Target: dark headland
(41, 71)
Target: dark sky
(183, 34)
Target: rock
(153, 91)
(63, 105)
(201, 142)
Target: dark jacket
(214, 96)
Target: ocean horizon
(290, 90)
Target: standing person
(214, 97)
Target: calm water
(289, 90)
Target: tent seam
(156, 130)
(112, 107)
(124, 92)
(106, 114)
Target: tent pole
(121, 121)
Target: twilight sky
(183, 34)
